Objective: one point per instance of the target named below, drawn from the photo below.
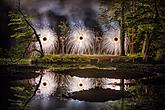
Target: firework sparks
(111, 39)
(111, 42)
(80, 41)
(48, 40)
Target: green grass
(68, 59)
(67, 62)
(80, 59)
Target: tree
(64, 32)
(149, 26)
(32, 28)
(21, 33)
(115, 11)
(122, 23)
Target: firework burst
(48, 40)
(80, 41)
(111, 40)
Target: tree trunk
(144, 45)
(132, 41)
(122, 34)
(147, 45)
(133, 30)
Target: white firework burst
(48, 84)
(48, 40)
(111, 42)
(80, 41)
(111, 39)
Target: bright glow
(78, 84)
(48, 40)
(48, 84)
(111, 42)
(111, 83)
(111, 39)
(80, 41)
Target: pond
(27, 87)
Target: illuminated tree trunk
(133, 30)
(122, 34)
(62, 39)
(146, 46)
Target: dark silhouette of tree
(122, 36)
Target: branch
(37, 51)
(32, 40)
(33, 29)
(139, 15)
(23, 55)
(26, 49)
(146, 21)
(156, 10)
(34, 93)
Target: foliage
(21, 92)
(147, 20)
(109, 10)
(149, 97)
(63, 33)
(21, 35)
(64, 29)
(145, 16)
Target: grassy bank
(84, 59)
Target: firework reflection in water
(80, 40)
(48, 40)
(111, 83)
(79, 84)
(48, 84)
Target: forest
(141, 26)
(82, 55)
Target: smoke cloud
(43, 10)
